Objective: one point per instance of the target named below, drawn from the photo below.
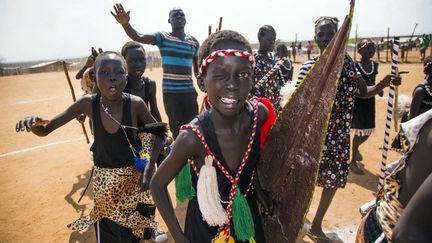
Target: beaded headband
(368, 42)
(426, 66)
(334, 20)
(224, 53)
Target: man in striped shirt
(179, 53)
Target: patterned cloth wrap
(116, 195)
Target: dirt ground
(41, 178)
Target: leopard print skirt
(116, 195)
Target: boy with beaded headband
(222, 145)
(116, 189)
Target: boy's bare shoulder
(187, 137)
(151, 81)
(136, 101)
(86, 99)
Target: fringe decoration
(242, 218)
(208, 195)
(183, 184)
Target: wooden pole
(73, 97)
(409, 43)
(355, 44)
(220, 24)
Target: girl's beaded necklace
(367, 73)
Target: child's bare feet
(317, 235)
(355, 168)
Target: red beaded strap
(223, 169)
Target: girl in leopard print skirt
(116, 182)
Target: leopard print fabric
(116, 195)
(389, 209)
(147, 140)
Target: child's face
(136, 61)
(368, 51)
(324, 33)
(110, 76)
(267, 41)
(228, 81)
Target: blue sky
(47, 29)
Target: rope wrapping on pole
(390, 111)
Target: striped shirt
(177, 59)
(304, 69)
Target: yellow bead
(222, 239)
(145, 155)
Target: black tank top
(146, 88)
(146, 99)
(112, 150)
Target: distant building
(54, 66)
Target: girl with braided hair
(334, 166)
(222, 145)
(364, 109)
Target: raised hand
(120, 14)
(91, 59)
(27, 123)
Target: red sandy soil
(41, 178)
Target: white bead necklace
(372, 70)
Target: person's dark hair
(174, 10)
(264, 29)
(106, 53)
(130, 44)
(218, 37)
(332, 20)
(363, 43)
(281, 48)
